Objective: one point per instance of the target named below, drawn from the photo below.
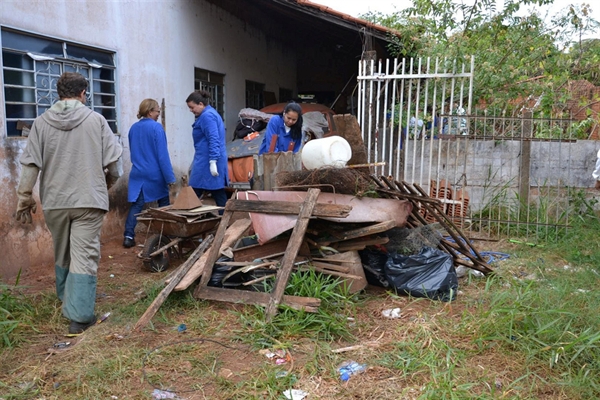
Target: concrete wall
(158, 45)
(485, 167)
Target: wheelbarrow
(170, 231)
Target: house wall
(158, 45)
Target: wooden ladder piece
(277, 296)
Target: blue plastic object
(350, 368)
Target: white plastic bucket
(331, 151)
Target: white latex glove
(213, 168)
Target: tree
(517, 57)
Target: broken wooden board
(231, 235)
(162, 214)
(287, 263)
(256, 251)
(269, 226)
(267, 165)
(181, 272)
(289, 207)
(359, 244)
(309, 304)
(357, 233)
(352, 260)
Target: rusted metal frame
(464, 243)
(441, 218)
(400, 188)
(408, 196)
(477, 260)
(459, 246)
(165, 247)
(397, 193)
(476, 263)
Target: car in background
(240, 151)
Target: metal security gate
(496, 176)
(413, 99)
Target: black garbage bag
(220, 271)
(429, 274)
(373, 262)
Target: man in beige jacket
(70, 147)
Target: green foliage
(542, 219)
(518, 58)
(328, 323)
(15, 314)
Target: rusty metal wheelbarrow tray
(180, 229)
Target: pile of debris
(322, 225)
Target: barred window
(213, 83)
(31, 66)
(255, 97)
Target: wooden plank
(332, 273)
(181, 272)
(256, 251)
(229, 237)
(287, 263)
(289, 207)
(309, 304)
(360, 232)
(360, 244)
(156, 213)
(333, 267)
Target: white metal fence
(496, 176)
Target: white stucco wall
(158, 45)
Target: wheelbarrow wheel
(159, 262)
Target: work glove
(113, 171)
(26, 204)
(213, 168)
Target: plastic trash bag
(429, 274)
(373, 262)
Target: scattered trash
(115, 336)
(281, 374)
(527, 243)
(225, 373)
(56, 385)
(462, 271)
(182, 328)
(391, 313)
(110, 256)
(349, 368)
(279, 356)
(61, 345)
(162, 394)
(498, 383)
(295, 394)
(112, 275)
(103, 318)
